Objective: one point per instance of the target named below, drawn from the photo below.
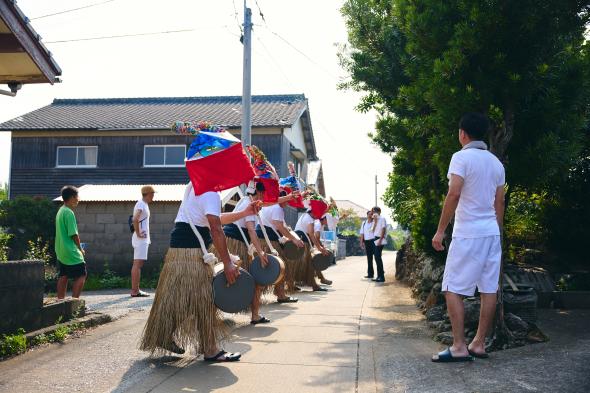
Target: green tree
(350, 224)
(422, 63)
(4, 192)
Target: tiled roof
(158, 113)
(345, 204)
(131, 192)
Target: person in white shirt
(380, 233)
(318, 226)
(183, 312)
(476, 199)
(140, 240)
(305, 230)
(273, 219)
(367, 240)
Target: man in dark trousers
(367, 238)
(380, 233)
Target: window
(164, 155)
(77, 156)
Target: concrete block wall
(104, 227)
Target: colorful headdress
(215, 160)
(291, 184)
(317, 206)
(265, 174)
(333, 208)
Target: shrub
(12, 344)
(4, 239)
(28, 219)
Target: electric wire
(72, 10)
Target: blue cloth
(206, 145)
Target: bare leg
(77, 286)
(256, 303)
(279, 290)
(62, 287)
(486, 317)
(456, 312)
(136, 275)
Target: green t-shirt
(65, 227)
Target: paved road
(358, 337)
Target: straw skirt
(183, 309)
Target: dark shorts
(72, 271)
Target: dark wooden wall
(120, 161)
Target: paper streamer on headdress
(266, 174)
(215, 160)
(291, 184)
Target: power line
(237, 18)
(72, 10)
(260, 12)
(275, 63)
(301, 53)
(121, 36)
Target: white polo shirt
(242, 205)
(199, 207)
(268, 214)
(144, 223)
(303, 223)
(379, 225)
(367, 230)
(482, 174)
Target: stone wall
(103, 226)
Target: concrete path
(358, 337)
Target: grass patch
(13, 344)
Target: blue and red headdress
(291, 184)
(265, 174)
(215, 160)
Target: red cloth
(297, 202)
(220, 171)
(318, 208)
(271, 189)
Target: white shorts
(471, 263)
(140, 251)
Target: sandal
(326, 281)
(320, 289)
(141, 294)
(447, 357)
(262, 319)
(227, 357)
(288, 299)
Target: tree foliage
(423, 63)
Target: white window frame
(77, 150)
(165, 149)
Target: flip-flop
(141, 294)
(174, 348)
(447, 357)
(229, 357)
(320, 289)
(288, 299)
(262, 319)
(478, 355)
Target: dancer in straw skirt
(305, 230)
(183, 312)
(273, 219)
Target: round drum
(293, 252)
(233, 298)
(320, 261)
(269, 275)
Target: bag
(130, 222)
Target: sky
(294, 51)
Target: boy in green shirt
(70, 255)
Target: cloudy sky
(294, 51)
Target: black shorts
(72, 271)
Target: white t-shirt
(379, 225)
(367, 230)
(268, 214)
(332, 221)
(303, 223)
(482, 174)
(198, 207)
(317, 226)
(144, 223)
(242, 205)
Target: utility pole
(376, 182)
(247, 81)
